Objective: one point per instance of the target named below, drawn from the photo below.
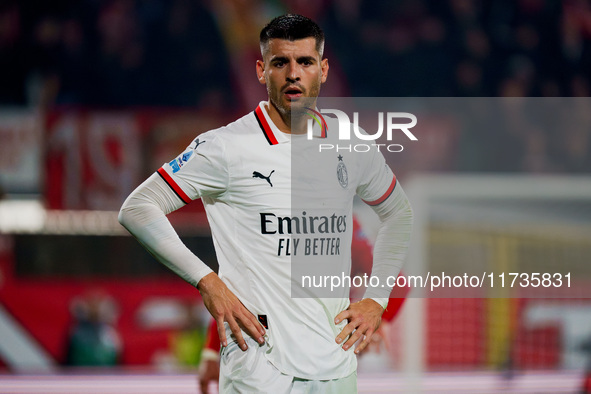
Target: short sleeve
(201, 170)
(377, 182)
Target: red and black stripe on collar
(265, 127)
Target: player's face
(293, 72)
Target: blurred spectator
(113, 53)
(93, 340)
(187, 342)
(156, 52)
(585, 347)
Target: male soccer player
(271, 341)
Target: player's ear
(324, 68)
(261, 71)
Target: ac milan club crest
(342, 174)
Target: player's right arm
(143, 214)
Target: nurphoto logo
(395, 121)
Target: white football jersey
(278, 207)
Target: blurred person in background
(93, 340)
(187, 342)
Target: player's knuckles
(357, 324)
(234, 326)
(249, 327)
(251, 330)
(236, 331)
(352, 311)
(240, 318)
(220, 318)
(351, 341)
(351, 326)
(358, 316)
(344, 334)
(357, 334)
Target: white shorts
(251, 372)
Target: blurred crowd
(189, 53)
(111, 53)
(464, 47)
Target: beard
(295, 110)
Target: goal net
(516, 251)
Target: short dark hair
(292, 27)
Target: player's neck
(285, 122)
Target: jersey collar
(273, 135)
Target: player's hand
(209, 371)
(364, 319)
(224, 306)
(377, 341)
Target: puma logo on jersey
(257, 174)
(197, 143)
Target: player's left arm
(395, 214)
